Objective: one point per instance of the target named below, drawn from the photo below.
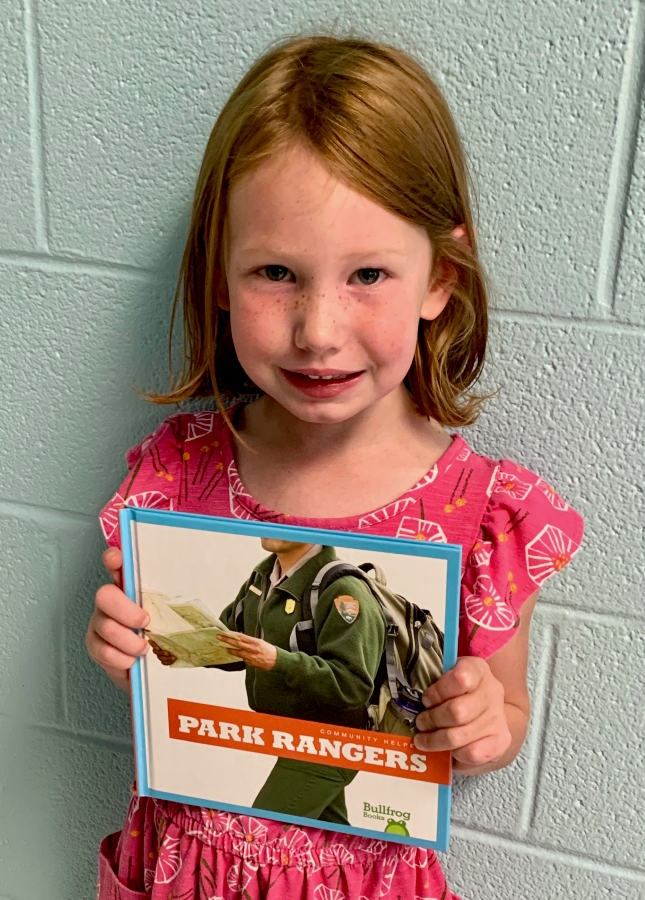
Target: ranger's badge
(348, 607)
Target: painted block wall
(104, 112)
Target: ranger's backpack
(413, 655)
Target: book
(286, 671)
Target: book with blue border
(285, 671)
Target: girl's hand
(254, 651)
(466, 714)
(110, 640)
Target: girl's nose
(317, 326)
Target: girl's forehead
(294, 194)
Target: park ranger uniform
(331, 683)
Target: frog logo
(395, 827)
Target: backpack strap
(329, 573)
(305, 629)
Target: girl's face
(326, 289)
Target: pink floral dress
(515, 532)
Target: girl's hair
(379, 123)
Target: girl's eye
(368, 276)
(276, 273)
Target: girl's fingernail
(146, 621)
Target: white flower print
(487, 609)
(420, 530)
(236, 490)
(148, 879)
(133, 808)
(168, 860)
(388, 868)
(378, 848)
(200, 425)
(145, 443)
(322, 892)
(216, 821)
(482, 552)
(509, 484)
(109, 518)
(247, 833)
(386, 512)
(415, 857)
(427, 479)
(336, 854)
(554, 499)
(295, 847)
(491, 483)
(147, 499)
(548, 553)
(239, 876)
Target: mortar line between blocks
(536, 738)
(34, 88)
(84, 737)
(622, 163)
(88, 737)
(44, 515)
(550, 611)
(62, 632)
(547, 854)
(606, 326)
(72, 265)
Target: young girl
(331, 284)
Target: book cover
(340, 634)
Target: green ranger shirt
(335, 684)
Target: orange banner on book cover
(329, 745)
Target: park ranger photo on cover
(313, 649)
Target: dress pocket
(109, 886)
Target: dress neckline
(245, 506)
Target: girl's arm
(480, 709)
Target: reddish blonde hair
(380, 124)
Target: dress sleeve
(527, 534)
(153, 479)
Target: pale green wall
(104, 113)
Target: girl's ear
(443, 284)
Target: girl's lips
(323, 387)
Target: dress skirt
(169, 851)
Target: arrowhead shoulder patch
(348, 607)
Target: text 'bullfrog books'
(287, 668)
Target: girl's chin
(332, 411)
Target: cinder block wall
(104, 112)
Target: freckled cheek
(392, 342)
(259, 326)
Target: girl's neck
(335, 470)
